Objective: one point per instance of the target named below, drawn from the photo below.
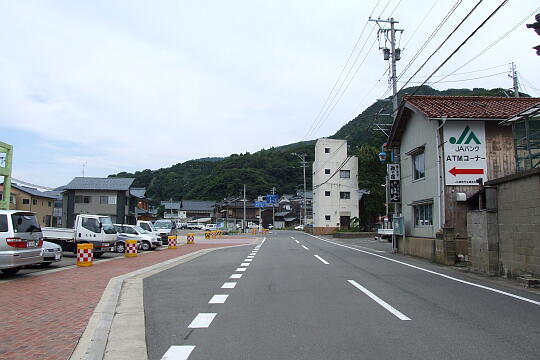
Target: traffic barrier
(172, 242)
(131, 248)
(190, 238)
(219, 234)
(254, 231)
(85, 255)
(207, 234)
(265, 231)
(214, 234)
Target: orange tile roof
(470, 107)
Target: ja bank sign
(464, 152)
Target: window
(24, 223)
(49, 203)
(110, 200)
(327, 193)
(3, 223)
(34, 202)
(419, 165)
(327, 171)
(91, 224)
(82, 199)
(344, 195)
(327, 217)
(129, 230)
(327, 150)
(423, 215)
(26, 201)
(345, 174)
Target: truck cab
(97, 230)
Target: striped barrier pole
(172, 242)
(131, 248)
(85, 255)
(190, 238)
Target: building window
(49, 203)
(82, 199)
(423, 215)
(26, 201)
(344, 195)
(327, 150)
(327, 217)
(327, 171)
(110, 200)
(327, 193)
(345, 174)
(34, 202)
(419, 165)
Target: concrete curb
(123, 298)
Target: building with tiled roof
(447, 146)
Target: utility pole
(393, 54)
(515, 79)
(304, 165)
(273, 207)
(244, 200)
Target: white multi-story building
(335, 186)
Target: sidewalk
(44, 316)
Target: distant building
(189, 209)
(101, 196)
(30, 199)
(335, 186)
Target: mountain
(214, 178)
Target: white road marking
(244, 264)
(241, 269)
(305, 247)
(248, 260)
(218, 299)
(177, 352)
(229, 285)
(436, 273)
(202, 320)
(380, 301)
(292, 237)
(250, 256)
(298, 242)
(322, 260)
(236, 276)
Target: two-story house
(30, 199)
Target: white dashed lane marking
(178, 352)
(244, 264)
(235, 276)
(202, 320)
(379, 301)
(248, 260)
(321, 259)
(218, 299)
(305, 247)
(229, 285)
(298, 242)
(241, 269)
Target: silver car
(20, 240)
(51, 253)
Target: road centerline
(178, 352)
(305, 247)
(229, 285)
(321, 259)
(202, 320)
(379, 301)
(218, 299)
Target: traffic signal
(536, 27)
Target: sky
(110, 86)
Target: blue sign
(272, 199)
(261, 204)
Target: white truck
(93, 229)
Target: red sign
(454, 171)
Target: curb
(93, 344)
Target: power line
(492, 44)
(463, 43)
(460, 80)
(420, 24)
(443, 42)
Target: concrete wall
(484, 237)
(415, 246)
(333, 205)
(519, 225)
(419, 132)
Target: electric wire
(420, 24)
(462, 44)
(529, 84)
(460, 80)
(443, 42)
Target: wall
(333, 205)
(484, 239)
(518, 203)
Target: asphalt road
(313, 298)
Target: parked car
(181, 225)
(166, 228)
(21, 240)
(51, 253)
(120, 244)
(148, 226)
(195, 226)
(210, 227)
(148, 240)
(299, 227)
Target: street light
(304, 165)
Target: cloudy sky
(129, 85)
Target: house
(57, 208)
(30, 199)
(101, 196)
(447, 147)
(231, 212)
(142, 208)
(189, 210)
(335, 186)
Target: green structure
(6, 157)
(526, 129)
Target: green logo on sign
(467, 133)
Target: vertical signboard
(464, 152)
(6, 155)
(394, 186)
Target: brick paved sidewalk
(43, 317)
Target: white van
(21, 240)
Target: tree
(371, 177)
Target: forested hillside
(215, 178)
